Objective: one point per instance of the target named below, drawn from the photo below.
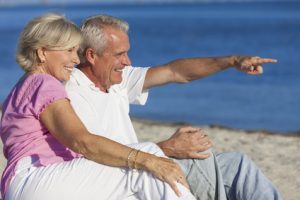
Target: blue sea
(163, 32)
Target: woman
(50, 154)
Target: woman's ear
(41, 55)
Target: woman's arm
(62, 122)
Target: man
(104, 85)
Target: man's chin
(117, 81)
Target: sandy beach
(277, 155)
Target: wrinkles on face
(109, 66)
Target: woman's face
(60, 63)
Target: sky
(18, 2)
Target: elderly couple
(76, 141)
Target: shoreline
(248, 131)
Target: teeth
(69, 68)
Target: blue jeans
(230, 175)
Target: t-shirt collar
(82, 79)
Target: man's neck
(87, 70)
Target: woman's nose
(76, 59)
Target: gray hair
(50, 31)
(93, 33)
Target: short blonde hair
(50, 31)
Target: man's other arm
(186, 70)
(189, 142)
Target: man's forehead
(118, 41)
(117, 36)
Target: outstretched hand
(252, 64)
(187, 142)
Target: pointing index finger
(267, 60)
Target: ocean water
(162, 32)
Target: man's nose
(126, 60)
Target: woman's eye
(71, 49)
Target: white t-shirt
(107, 114)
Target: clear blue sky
(16, 2)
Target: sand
(277, 155)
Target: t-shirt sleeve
(133, 80)
(42, 91)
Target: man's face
(108, 66)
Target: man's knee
(233, 157)
(235, 161)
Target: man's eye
(119, 55)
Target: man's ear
(90, 55)
(41, 55)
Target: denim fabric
(243, 180)
(230, 175)
(204, 178)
